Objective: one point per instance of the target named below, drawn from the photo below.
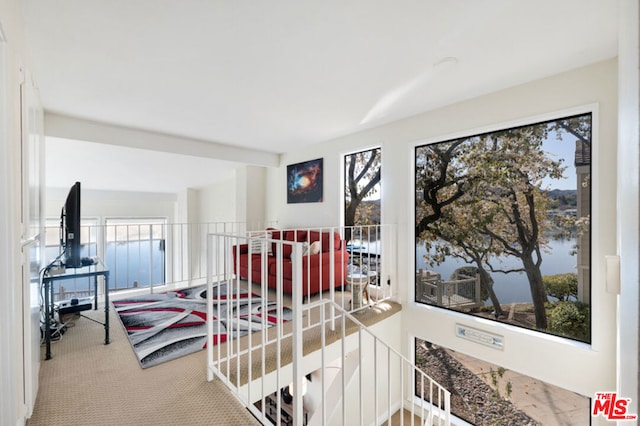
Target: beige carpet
(89, 383)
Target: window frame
(591, 109)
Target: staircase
(324, 366)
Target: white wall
(218, 201)
(14, 402)
(628, 200)
(251, 193)
(256, 197)
(105, 204)
(548, 358)
(32, 233)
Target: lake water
(127, 262)
(513, 287)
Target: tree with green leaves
(446, 230)
(486, 193)
(362, 178)
(578, 126)
(514, 166)
(441, 179)
(561, 286)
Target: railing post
(150, 268)
(447, 408)
(331, 278)
(209, 254)
(297, 341)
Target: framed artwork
(304, 182)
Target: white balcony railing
(460, 293)
(142, 256)
(274, 333)
(147, 256)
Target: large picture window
(362, 195)
(362, 172)
(503, 225)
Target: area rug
(165, 326)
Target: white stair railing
(265, 346)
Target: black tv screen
(70, 222)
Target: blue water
(513, 287)
(140, 261)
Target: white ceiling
(277, 75)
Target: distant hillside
(563, 199)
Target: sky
(565, 149)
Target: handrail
(156, 256)
(145, 256)
(260, 366)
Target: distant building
(583, 172)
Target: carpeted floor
(89, 383)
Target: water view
(131, 264)
(517, 200)
(513, 287)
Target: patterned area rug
(165, 326)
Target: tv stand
(95, 270)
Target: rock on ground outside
(471, 398)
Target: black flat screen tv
(70, 228)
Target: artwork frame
(305, 182)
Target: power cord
(53, 324)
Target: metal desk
(95, 271)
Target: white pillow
(314, 247)
(258, 245)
